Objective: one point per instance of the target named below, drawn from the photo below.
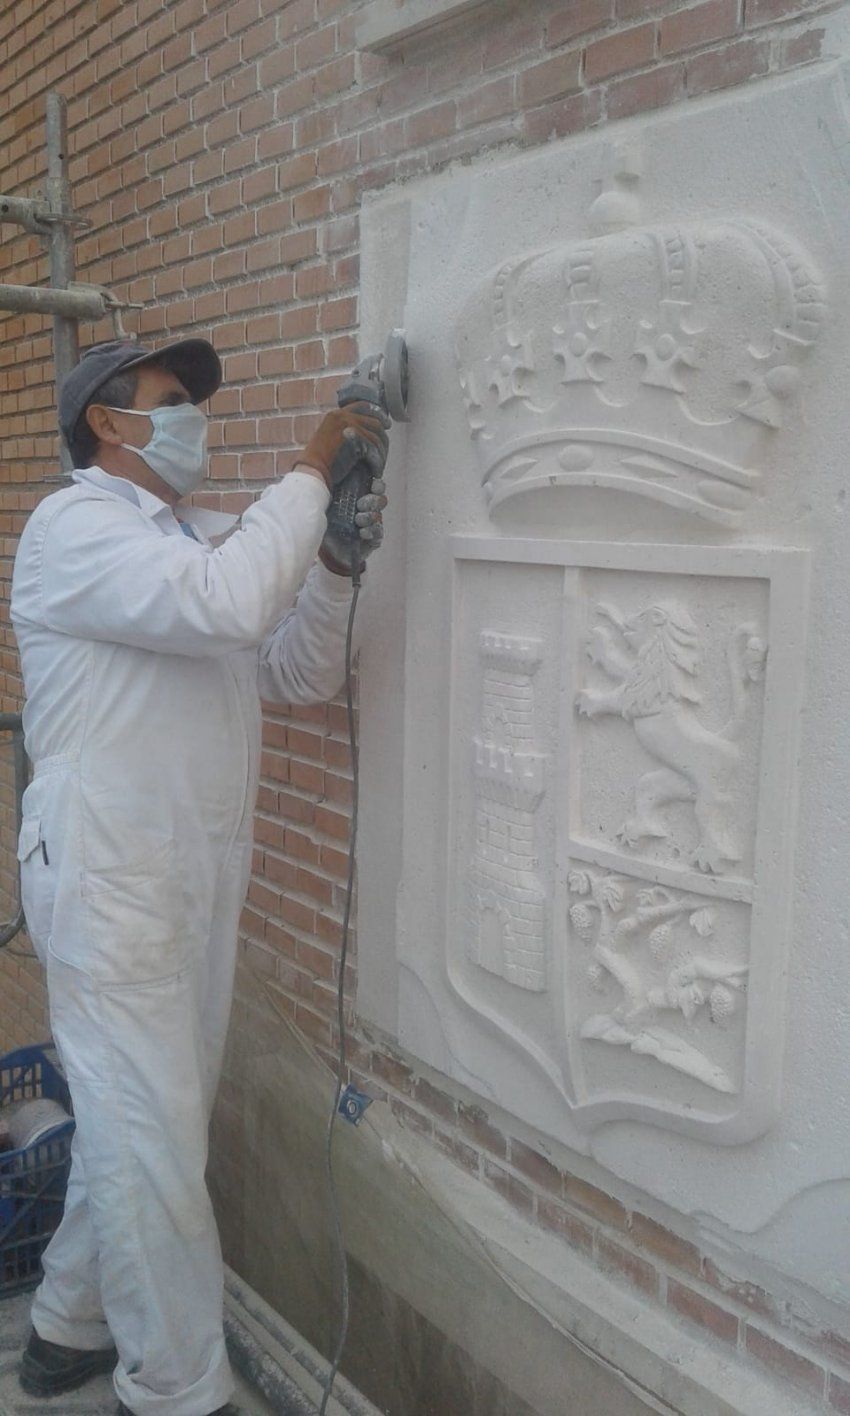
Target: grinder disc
(396, 378)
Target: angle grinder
(380, 379)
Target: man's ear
(101, 423)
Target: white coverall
(144, 656)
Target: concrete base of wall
(275, 1360)
(459, 1303)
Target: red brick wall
(220, 149)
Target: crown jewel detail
(656, 360)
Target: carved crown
(656, 360)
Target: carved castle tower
(507, 913)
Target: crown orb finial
(783, 380)
(617, 205)
(613, 211)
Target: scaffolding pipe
(78, 303)
(23, 211)
(66, 347)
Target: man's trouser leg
(136, 1064)
(67, 1308)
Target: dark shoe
(48, 1369)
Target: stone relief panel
(660, 360)
(617, 911)
(628, 436)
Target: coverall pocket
(38, 883)
(136, 921)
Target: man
(145, 652)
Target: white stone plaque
(606, 686)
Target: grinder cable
(339, 1239)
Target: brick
(664, 1244)
(644, 92)
(553, 1216)
(312, 1024)
(410, 1118)
(839, 1394)
(766, 12)
(508, 1186)
(242, 14)
(457, 1151)
(332, 823)
(627, 1265)
(700, 1310)
(258, 185)
(567, 115)
(801, 49)
(296, 16)
(785, 1363)
(734, 64)
(632, 9)
(630, 49)
(258, 40)
(392, 1071)
(603, 1207)
(551, 79)
(312, 205)
(511, 38)
(338, 156)
(315, 48)
(258, 113)
(489, 101)
(435, 1101)
(260, 960)
(477, 1126)
(335, 77)
(702, 24)
(578, 17)
(276, 68)
(294, 96)
(536, 1167)
(430, 124)
(296, 172)
(835, 1345)
(740, 1291)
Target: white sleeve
(303, 659)
(107, 573)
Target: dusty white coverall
(144, 656)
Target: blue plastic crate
(33, 1180)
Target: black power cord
(339, 1239)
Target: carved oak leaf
(703, 922)
(612, 894)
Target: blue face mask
(177, 452)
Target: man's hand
(345, 437)
(370, 521)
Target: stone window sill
(384, 24)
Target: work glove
(345, 437)
(370, 521)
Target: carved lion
(656, 692)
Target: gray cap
(194, 361)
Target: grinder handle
(343, 532)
